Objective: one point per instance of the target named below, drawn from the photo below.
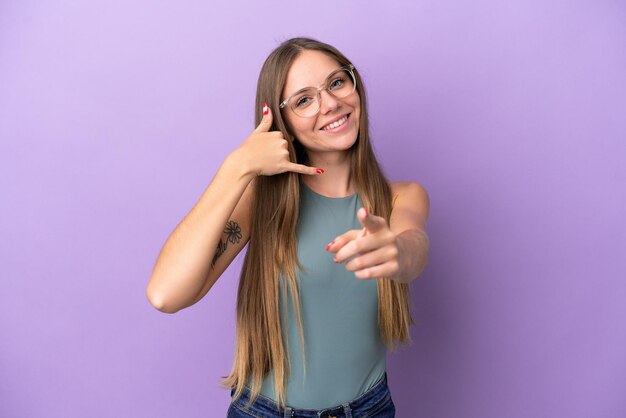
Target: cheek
(288, 119)
(357, 114)
(301, 128)
(307, 125)
(356, 104)
(294, 126)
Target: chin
(348, 140)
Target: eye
(303, 101)
(337, 83)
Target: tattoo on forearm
(233, 235)
(221, 247)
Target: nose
(328, 102)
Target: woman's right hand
(266, 153)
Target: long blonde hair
(272, 248)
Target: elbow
(159, 301)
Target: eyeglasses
(339, 84)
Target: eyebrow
(299, 91)
(306, 88)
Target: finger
(342, 240)
(372, 258)
(303, 169)
(362, 245)
(387, 270)
(266, 122)
(371, 222)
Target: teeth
(335, 124)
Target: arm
(398, 251)
(217, 228)
(194, 255)
(408, 222)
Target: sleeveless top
(344, 352)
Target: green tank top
(344, 352)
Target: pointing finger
(339, 242)
(371, 222)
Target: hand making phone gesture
(266, 152)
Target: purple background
(115, 115)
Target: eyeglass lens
(339, 83)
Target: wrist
(239, 166)
(412, 254)
(401, 259)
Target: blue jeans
(376, 402)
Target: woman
(332, 246)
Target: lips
(325, 127)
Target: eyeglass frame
(349, 67)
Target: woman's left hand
(375, 247)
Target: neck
(336, 181)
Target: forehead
(309, 69)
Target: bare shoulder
(409, 192)
(410, 206)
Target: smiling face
(310, 69)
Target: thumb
(266, 122)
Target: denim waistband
(376, 395)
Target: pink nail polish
(329, 245)
(319, 171)
(266, 109)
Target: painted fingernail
(366, 212)
(266, 109)
(319, 171)
(329, 245)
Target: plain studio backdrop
(115, 115)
